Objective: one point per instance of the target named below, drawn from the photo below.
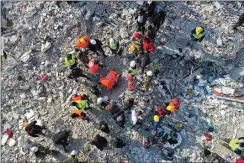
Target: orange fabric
(93, 68)
(110, 80)
(76, 98)
(172, 109)
(175, 102)
(77, 112)
(83, 42)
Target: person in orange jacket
(79, 114)
(110, 80)
(175, 102)
(83, 42)
(93, 66)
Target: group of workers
(140, 48)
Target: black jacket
(33, 130)
(103, 126)
(100, 142)
(61, 137)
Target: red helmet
(130, 78)
(136, 35)
(176, 101)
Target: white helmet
(75, 92)
(82, 49)
(149, 73)
(111, 41)
(74, 152)
(105, 98)
(132, 63)
(34, 149)
(93, 42)
(99, 100)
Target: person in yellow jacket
(198, 33)
(236, 145)
(70, 61)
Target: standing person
(100, 142)
(159, 17)
(212, 157)
(62, 138)
(141, 20)
(72, 158)
(151, 32)
(79, 114)
(144, 61)
(103, 126)
(151, 8)
(155, 121)
(76, 73)
(198, 34)
(120, 119)
(95, 46)
(33, 129)
(239, 22)
(148, 44)
(113, 45)
(236, 145)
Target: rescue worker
(96, 46)
(110, 80)
(112, 107)
(175, 102)
(236, 145)
(62, 138)
(212, 157)
(144, 61)
(141, 20)
(76, 73)
(113, 45)
(151, 6)
(155, 121)
(198, 33)
(159, 17)
(148, 44)
(147, 80)
(132, 69)
(131, 82)
(70, 61)
(79, 114)
(103, 126)
(120, 119)
(82, 55)
(81, 102)
(72, 158)
(34, 130)
(83, 42)
(100, 142)
(95, 90)
(93, 66)
(151, 32)
(239, 22)
(101, 103)
(129, 103)
(136, 46)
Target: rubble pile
(36, 35)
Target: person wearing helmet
(72, 158)
(75, 73)
(93, 66)
(141, 20)
(144, 60)
(110, 80)
(132, 68)
(81, 102)
(147, 80)
(83, 42)
(159, 17)
(131, 81)
(155, 121)
(102, 103)
(136, 45)
(95, 46)
(148, 44)
(112, 107)
(239, 22)
(75, 97)
(198, 33)
(113, 45)
(150, 8)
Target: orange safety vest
(93, 68)
(83, 42)
(110, 80)
(77, 112)
(76, 98)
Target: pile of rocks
(41, 33)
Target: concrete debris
(206, 76)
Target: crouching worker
(110, 80)
(79, 114)
(62, 138)
(81, 102)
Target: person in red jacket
(148, 44)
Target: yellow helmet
(170, 108)
(132, 48)
(199, 30)
(156, 118)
